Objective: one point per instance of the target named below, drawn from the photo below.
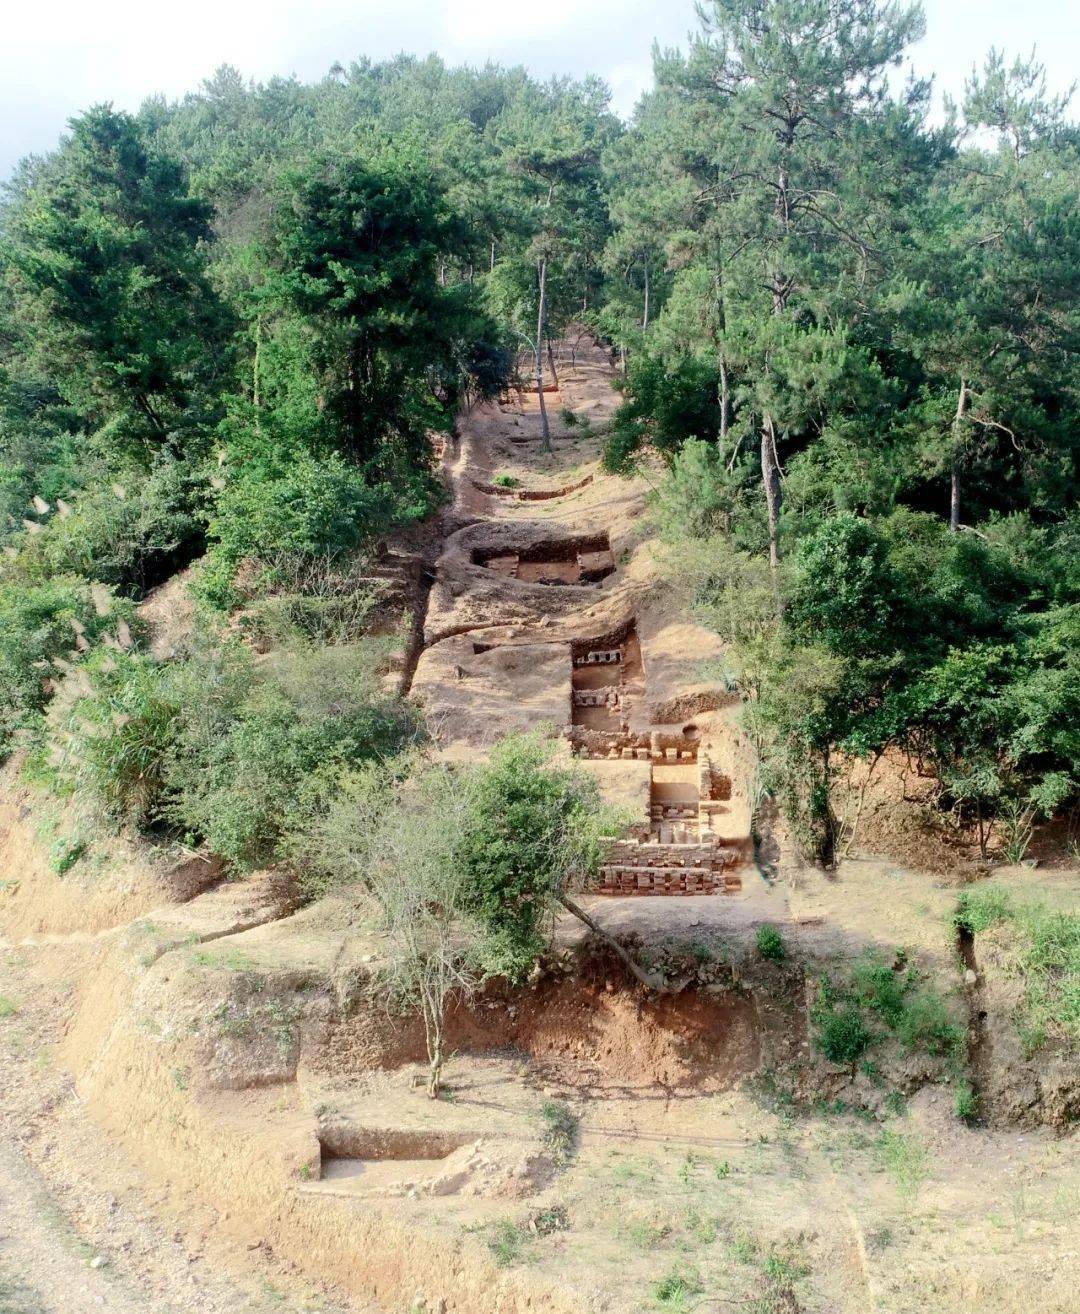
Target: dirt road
(44, 1267)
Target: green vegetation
(463, 868)
(560, 1129)
(235, 329)
(1042, 949)
(842, 1035)
(214, 748)
(905, 1159)
(867, 422)
(507, 1241)
(232, 325)
(676, 1290)
(770, 944)
(879, 1000)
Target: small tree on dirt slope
(533, 835)
(406, 842)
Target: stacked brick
(633, 868)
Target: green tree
(534, 834)
(356, 260)
(785, 114)
(105, 251)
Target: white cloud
(57, 58)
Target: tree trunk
(770, 474)
(492, 264)
(645, 314)
(725, 403)
(954, 478)
(651, 980)
(541, 315)
(551, 362)
(434, 1035)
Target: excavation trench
(596, 1029)
(582, 559)
(979, 1048)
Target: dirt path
(81, 1228)
(45, 1268)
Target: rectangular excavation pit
(348, 1151)
(603, 672)
(674, 797)
(586, 560)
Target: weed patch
(905, 1159)
(560, 1129)
(677, 1289)
(1041, 947)
(770, 944)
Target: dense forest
(233, 327)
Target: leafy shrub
(879, 987)
(307, 717)
(926, 1025)
(698, 497)
(221, 749)
(506, 481)
(667, 405)
(842, 1035)
(306, 507)
(770, 944)
(532, 828)
(325, 598)
(569, 417)
(114, 743)
(131, 534)
(38, 623)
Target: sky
(61, 56)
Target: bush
(877, 986)
(842, 1035)
(39, 623)
(305, 719)
(770, 944)
(309, 506)
(532, 829)
(132, 534)
(115, 743)
(926, 1025)
(220, 749)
